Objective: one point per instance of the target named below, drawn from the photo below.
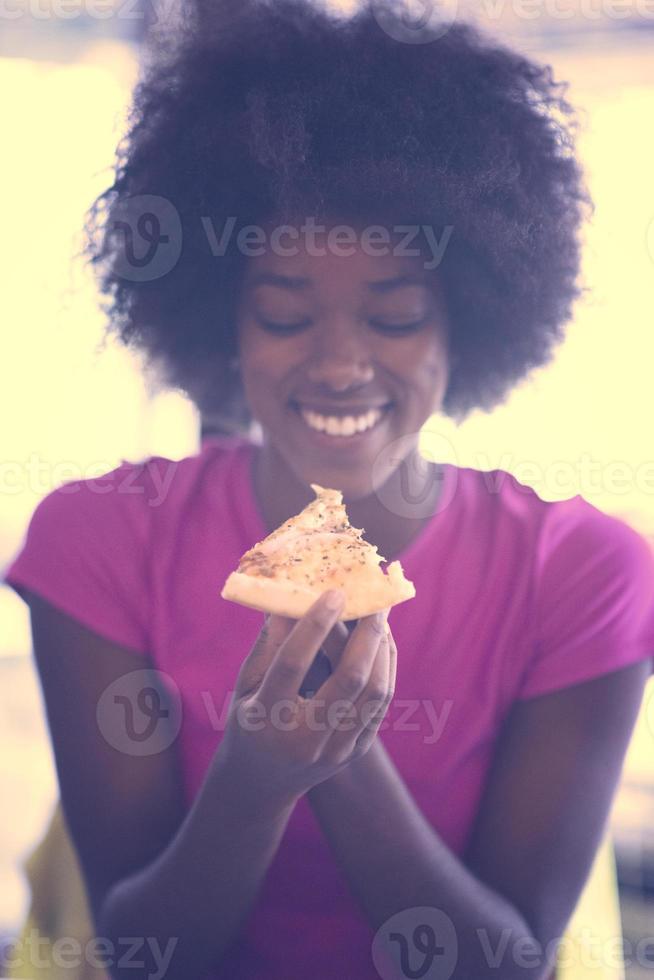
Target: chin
(354, 484)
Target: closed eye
(398, 327)
(283, 328)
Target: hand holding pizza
(284, 743)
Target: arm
(543, 813)
(183, 882)
(200, 888)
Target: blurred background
(73, 410)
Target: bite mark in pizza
(316, 550)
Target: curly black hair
(285, 108)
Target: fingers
(368, 710)
(334, 643)
(373, 707)
(375, 696)
(357, 665)
(319, 671)
(392, 657)
(354, 731)
(296, 653)
(253, 669)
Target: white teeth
(336, 426)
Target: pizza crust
(294, 599)
(310, 553)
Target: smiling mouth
(341, 429)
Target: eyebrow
(300, 282)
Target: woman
(447, 829)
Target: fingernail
(334, 599)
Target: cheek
(433, 372)
(266, 363)
(425, 362)
(435, 363)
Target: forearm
(394, 860)
(192, 901)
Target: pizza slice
(314, 551)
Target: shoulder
(97, 521)
(576, 536)
(495, 495)
(558, 529)
(133, 491)
(92, 546)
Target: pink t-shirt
(515, 597)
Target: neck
(391, 518)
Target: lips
(340, 410)
(341, 443)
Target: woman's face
(325, 338)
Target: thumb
(274, 631)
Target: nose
(341, 359)
(340, 375)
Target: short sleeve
(593, 598)
(85, 553)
